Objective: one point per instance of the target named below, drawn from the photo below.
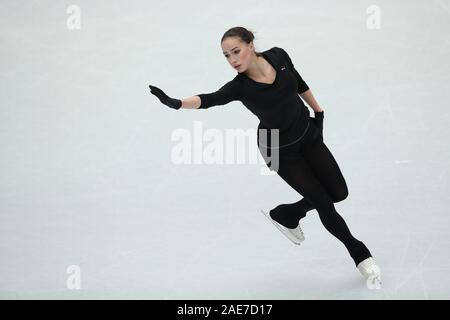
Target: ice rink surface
(87, 178)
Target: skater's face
(238, 53)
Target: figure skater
(268, 84)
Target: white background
(87, 179)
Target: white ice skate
(295, 235)
(370, 270)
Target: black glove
(164, 98)
(319, 121)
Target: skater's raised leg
(327, 171)
(289, 214)
(302, 176)
(293, 234)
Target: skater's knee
(340, 195)
(322, 201)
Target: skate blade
(375, 279)
(283, 230)
(374, 282)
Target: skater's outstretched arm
(188, 103)
(224, 95)
(193, 102)
(227, 93)
(164, 98)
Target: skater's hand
(318, 121)
(318, 116)
(164, 98)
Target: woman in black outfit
(269, 86)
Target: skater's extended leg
(300, 176)
(289, 214)
(327, 171)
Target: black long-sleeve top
(277, 105)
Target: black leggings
(309, 167)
